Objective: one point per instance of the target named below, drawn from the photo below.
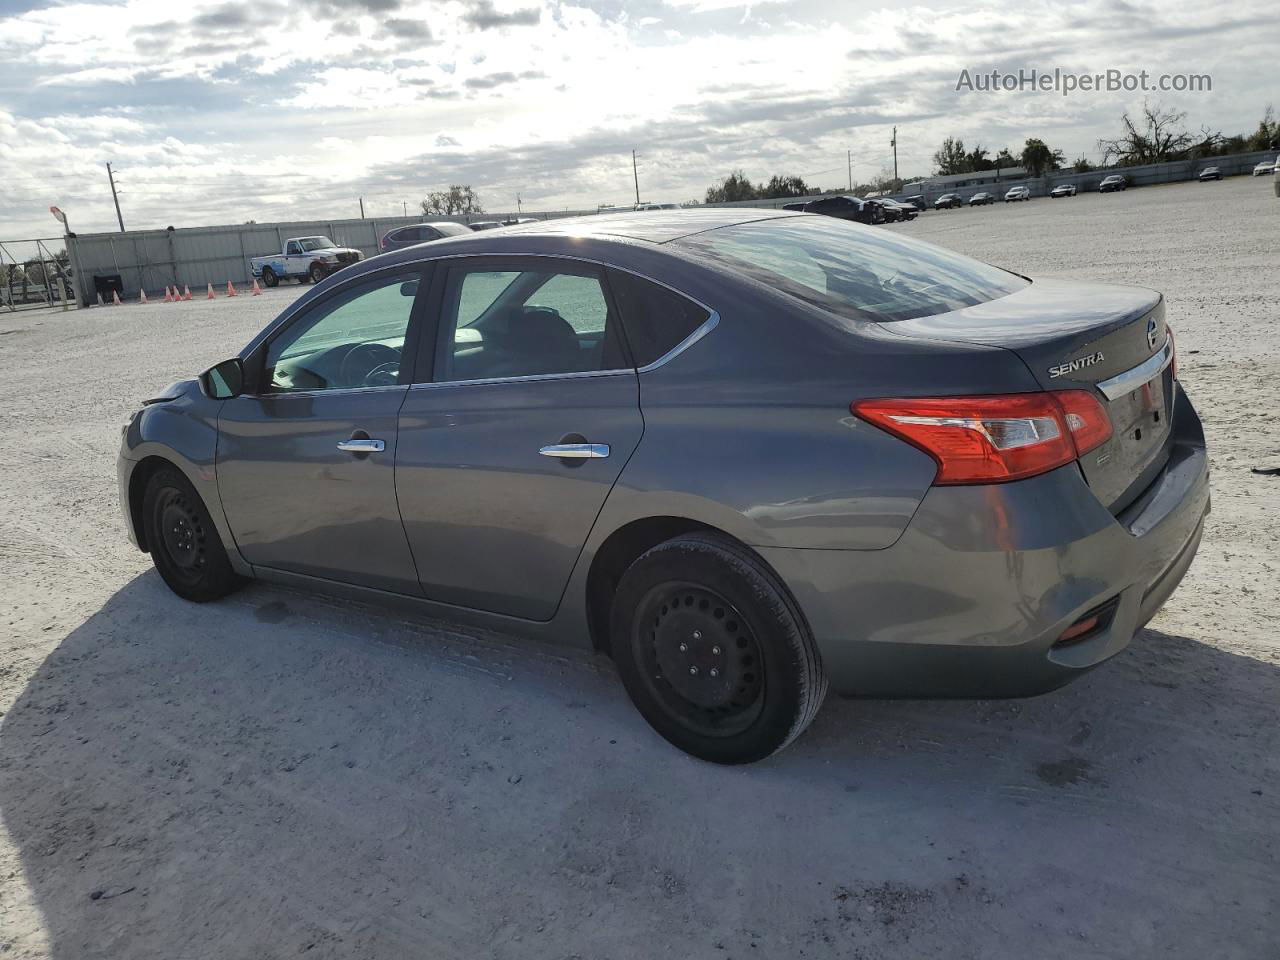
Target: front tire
(316, 273)
(713, 651)
(184, 544)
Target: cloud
(489, 81)
(414, 31)
(484, 16)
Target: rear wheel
(183, 541)
(713, 651)
(269, 277)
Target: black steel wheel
(184, 544)
(713, 651)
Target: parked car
(917, 201)
(1017, 193)
(479, 225)
(797, 206)
(920, 490)
(1112, 183)
(846, 208)
(1264, 168)
(947, 201)
(906, 211)
(1063, 190)
(305, 259)
(1209, 173)
(417, 233)
(657, 206)
(982, 199)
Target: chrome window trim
(279, 394)
(1121, 384)
(576, 375)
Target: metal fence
(196, 256)
(33, 274)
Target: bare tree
(1157, 135)
(459, 198)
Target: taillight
(994, 439)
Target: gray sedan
(746, 454)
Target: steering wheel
(381, 365)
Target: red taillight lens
(994, 439)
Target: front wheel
(316, 273)
(269, 277)
(713, 651)
(184, 544)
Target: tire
(184, 543)
(755, 679)
(316, 273)
(269, 277)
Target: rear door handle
(355, 445)
(576, 451)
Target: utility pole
(849, 157)
(894, 143)
(518, 210)
(405, 204)
(362, 208)
(635, 173)
(114, 196)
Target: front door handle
(576, 451)
(357, 445)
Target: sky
(224, 111)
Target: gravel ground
(281, 773)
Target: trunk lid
(1092, 336)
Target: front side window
(851, 271)
(497, 324)
(354, 339)
(292, 249)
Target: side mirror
(224, 380)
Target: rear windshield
(865, 273)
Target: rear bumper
(972, 599)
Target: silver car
(745, 453)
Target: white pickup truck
(303, 259)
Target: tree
(788, 186)
(950, 157)
(1082, 165)
(1156, 135)
(459, 198)
(1267, 136)
(976, 159)
(735, 186)
(1004, 159)
(1038, 159)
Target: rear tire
(184, 543)
(713, 651)
(269, 277)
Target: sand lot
(282, 774)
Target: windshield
(315, 243)
(851, 270)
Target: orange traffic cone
(212, 295)
(257, 290)
(186, 292)
(231, 289)
(115, 298)
(142, 296)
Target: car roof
(654, 226)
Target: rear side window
(656, 320)
(853, 271)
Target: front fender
(182, 431)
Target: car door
(509, 447)
(306, 458)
